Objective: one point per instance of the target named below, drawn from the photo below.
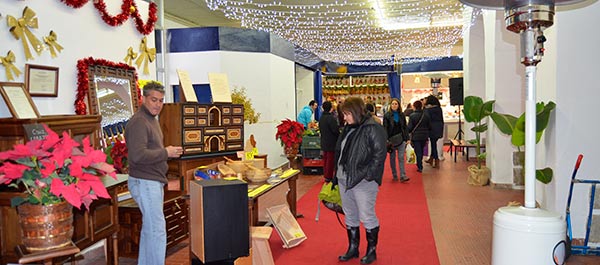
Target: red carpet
(405, 236)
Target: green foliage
(238, 96)
(475, 111)
(515, 128)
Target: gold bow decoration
(146, 54)
(131, 55)
(50, 40)
(9, 66)
(20, 30)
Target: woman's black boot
(353, 240)
(372, 235)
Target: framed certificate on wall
(18, 101)
(41, 81)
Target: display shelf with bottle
(372, 88)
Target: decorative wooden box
(130, 220)
(203, 128)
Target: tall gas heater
(527, 235)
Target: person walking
(360, 155)
(330, 130)
(147, 173)
(394, 123)
(419, 126)
(434, 111)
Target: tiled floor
(461, 217)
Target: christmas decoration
(131, 55)
(20, 30)
(146, 54)
(128, 9)
(9, 66)
(54, 47)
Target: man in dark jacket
(330, 130)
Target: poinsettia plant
(56, 169)
(289, 132)
(116, 155)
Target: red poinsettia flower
(117, 156)
(56, 169)
(290, 133)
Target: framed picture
(18, 101)
(41, 81)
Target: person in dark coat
(419, 126)
(434, 110)
(360, 155)
(330, 130)
(394, 123)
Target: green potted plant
(475, 111)
(515, 128)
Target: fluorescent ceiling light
(410, 22)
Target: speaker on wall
(456, 91)
(219, 228)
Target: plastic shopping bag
(411, 157)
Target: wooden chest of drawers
(175, 208)
(203, 128)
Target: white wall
(269, 83)
(504, 77)
(574, 127)
(82, 33)
(304, 88)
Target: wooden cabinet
(78, 126)
(99, 222)
(130, 222)
(203, 128)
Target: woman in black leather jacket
(360, 155)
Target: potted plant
(55, 173)
(116, 155)
(515, 128)
(290, 135)
(475, 111)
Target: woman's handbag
(331, 197)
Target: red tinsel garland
(83, 81)
(128, 9)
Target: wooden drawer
(130, 221)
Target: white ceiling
(337, 30)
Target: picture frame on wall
(41, 80)
(18, 100)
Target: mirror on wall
(113, 96)
(110, 90)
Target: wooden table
(462, 146)
(291, 196)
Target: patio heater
(527, 234)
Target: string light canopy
(359, 31)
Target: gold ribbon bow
(130, 56)
(9, 66)
(50, 40)
(20, 30)
(145, 56)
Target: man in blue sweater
(305, 115)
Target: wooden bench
(462, 146)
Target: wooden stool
(261, 251)
(46, 256)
